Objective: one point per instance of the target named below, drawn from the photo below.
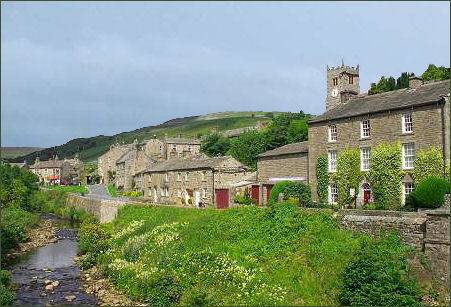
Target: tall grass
(78, 189)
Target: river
(49, 275)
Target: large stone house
(193, 181)
(289, 162)
(418, 117)
(57, 171)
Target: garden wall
(428, 231)
(103, 209)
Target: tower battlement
(342, 83)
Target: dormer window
(332, 133)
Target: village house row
(172, 170)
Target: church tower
(342, 84)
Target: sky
(80, 69)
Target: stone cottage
(193, 181)
(106, 163)
(52, 171)
(289, 162)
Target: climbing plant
(348, 176)
(385, 176)
(428, 163)
(322, 178)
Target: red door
(255, 193)
(366, 193)
(222, 198)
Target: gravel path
(100, 192)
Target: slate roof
(48, 164)
(127, 155)
(187, 164)
(293, 148)
(182, 141)
(399, 99)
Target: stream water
(49, 275)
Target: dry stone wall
(103, 209)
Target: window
(204, 176)
(335, 81)
(333, 193)
(408, 188)
(189, 147)
(179, 193)
(332, 161)
(407, 123)
(162, 191)
(166, 191)
(365, 158)
(351, 79)
(174, 147)
(179, 176)
(408, 155)
(186, 176)
(166, 177)
(204, 193)
(332, 133)
(365, 129)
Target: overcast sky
(82, 69)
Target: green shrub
(13, 226)
(244, 200)
(430, 193)
(277, 189)
(299, 191)
(377, 276)
(428, 163)
(348, 176)
(6, 296)
(322, 179)
(134, 193)
(94, 241)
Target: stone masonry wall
(427, 230)
(104, 210)
(283, 166)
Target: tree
(436, 73)
(287, 128)
(247, 146)
(403, 80)
(214, 145)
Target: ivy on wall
(348, 176)
(385, 176)
(428, 163)
(322, 178)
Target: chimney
(346, 95)
(415, 82)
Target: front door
(366, 193)
(255, 193)
(222, 198)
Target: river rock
(47, 281)
(55, 283)
(70, 298)
(49, 287)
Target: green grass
(78, 189)
(242, 256)
(112, 190)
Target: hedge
(430, 193)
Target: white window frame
(333, 193)
(407, 164)
(179, 176)
(407, 126)
(365, 132)
(332, 163)
(166, 177)
(365, 158)
(332, 133)
(407, 188)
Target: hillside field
(89, 149)
(14, 152)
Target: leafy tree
(247, 146)
(403, 80)
(297, 131)
(214, 145)
(436, 73)
(286, 128)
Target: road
(100, 192)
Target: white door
(196, 198)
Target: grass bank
(247, 256)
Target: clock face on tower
(334, 92)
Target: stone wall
(427, 230)
(103, 209)
(292, 165)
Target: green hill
(14, 152)
(89, 149)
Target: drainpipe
(442, 113)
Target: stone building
(289, 162)
(417, 117)
(53, 171)
(106, 163)
(193, 180)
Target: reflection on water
(54, 255)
